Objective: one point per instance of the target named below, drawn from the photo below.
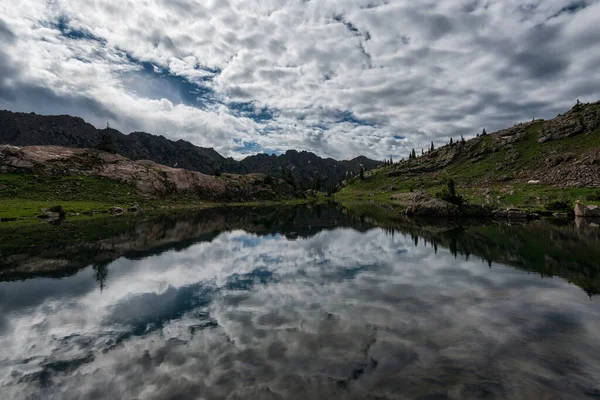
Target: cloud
(422, 71)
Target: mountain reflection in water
(300, 302)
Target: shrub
(593, 196)
(269, 180)
(557, 205)
(449, 193)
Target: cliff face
(20, 129)
(148, 177)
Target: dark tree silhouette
(107, 144)
(101, 273)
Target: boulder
(53, 213)
(116, 210)
(88, 212)
(135, 208)
(433, 208)
(49, 215)
(587, 211)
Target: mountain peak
(22, 129)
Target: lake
(302, 302)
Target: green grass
(478, 181)
(23, 196)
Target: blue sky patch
(249, 110)
(154, 82)
(349, 117)
(248, 147)
(67, 31)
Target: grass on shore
(23, 196)
(472, 178)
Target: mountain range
(310, 170)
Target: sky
(340, 78)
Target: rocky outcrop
(21, 129)
(579, 120)
(147, 177)
(433, 208)
(587, 211)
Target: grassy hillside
(494, 169)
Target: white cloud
(423, 70)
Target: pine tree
(462, 139)
(451, 141)
(414, 155)
(432, 146)
(484, 132)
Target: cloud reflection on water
(342, 314)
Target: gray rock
(53, 213)
(135, 208)
(50, 216)
(116, 210)
(433, 208)
(587, 211)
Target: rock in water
(53, 213)
(433, 208)
(587, 211)
(59, 210)
(116, 210)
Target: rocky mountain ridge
(309, 170)
(146, 177)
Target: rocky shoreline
(426, 206)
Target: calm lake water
(300, 303)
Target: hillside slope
(21, 129)
(562, 157)
(63, 173)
